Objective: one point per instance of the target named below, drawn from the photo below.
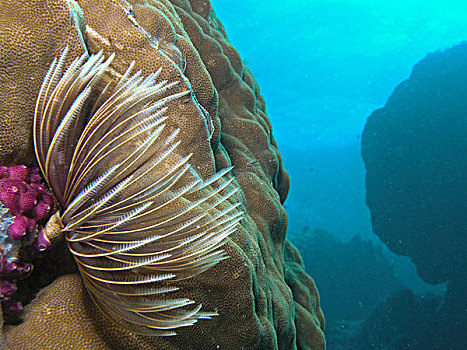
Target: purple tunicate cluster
(24, 202)
(26, 198)
(11, 272)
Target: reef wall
(264, 298)
(336, 265)
(414, 151)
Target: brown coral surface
(263, 297)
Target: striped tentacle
(130, 236)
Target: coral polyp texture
(214, 115)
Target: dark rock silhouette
(353, 277)
(409, 321)
(415, 154)
(414, 151)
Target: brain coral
(263, 297)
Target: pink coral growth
(25, 204)
(22, 192)
(10, 272)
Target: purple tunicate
(42, 242)
(27, 201)
(34, 177)
(14, 270)
(26, 198)
(24, 271)
(18, 228)
(10, 267)
(24, 207)
(10, 193)
(19, 172)
(7, 289)
(4, 173)
(13, 308)
(41, 210)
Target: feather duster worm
(136, 215)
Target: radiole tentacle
(135, 213)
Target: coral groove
(262, 295)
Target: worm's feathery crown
(129, 236)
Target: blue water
(323, 67)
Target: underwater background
(323, 68)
